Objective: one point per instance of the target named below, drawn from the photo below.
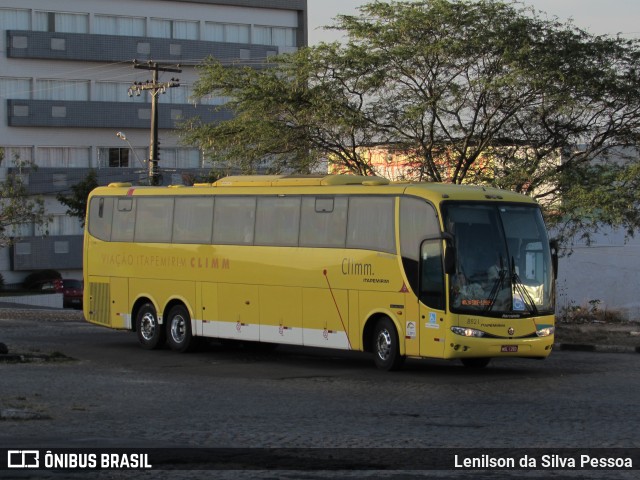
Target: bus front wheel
(386, 348)
(179, 334)
(150, 332)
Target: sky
(596, 16)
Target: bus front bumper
(458, 346)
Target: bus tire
(475, 362)
(386, 347)
(150, 332)
(179, 335)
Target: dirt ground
(625, 334)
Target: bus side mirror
(553, 246)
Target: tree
(17, 208)
(77, 201)
(471, 91)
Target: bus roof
(328, 184)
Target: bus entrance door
(432, 298)
(432, 332)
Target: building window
(114, 25)
(187, 158)
(226, 32)
(61, 22)
(17, 154)
(62, 90)
(15, 19)
(277, 36)
(121, 157)
(116, 92)
(62, 157)
(118, 157)
(15, 88)
(179, 29)
(62, 225)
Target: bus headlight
(545, 330)
(467, 332)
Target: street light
(123, 137)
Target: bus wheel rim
(178, 328)
(384, 344)
(148, 326)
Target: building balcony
(87, 47)
(118, 115)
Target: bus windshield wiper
(497, 286)
(519, 287)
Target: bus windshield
(503, 264)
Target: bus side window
(124, 219)
(234, 220)
(418, 220)
(277, 220)
(371, 223)
(154, 220)
(100, 217)
(193, 220)
(323, 222)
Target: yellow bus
(337, 261)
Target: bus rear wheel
(179, 335)
(386, 348)
(150, 332)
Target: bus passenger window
(323, 222)
(371, 223)
(234, 220)
(277, 220)
(193, 220)
(124, 220)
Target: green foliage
(77, 201)
(17, 207)
(35, 278)
(470, 91)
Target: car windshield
(503, 264)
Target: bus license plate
(509, 348)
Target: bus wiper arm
(521, 289)
(495, 289)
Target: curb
(577, 347)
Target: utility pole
(155, 88)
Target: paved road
(116, 394)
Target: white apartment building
(65, 72)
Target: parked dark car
(70, 288)
(72, 291)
